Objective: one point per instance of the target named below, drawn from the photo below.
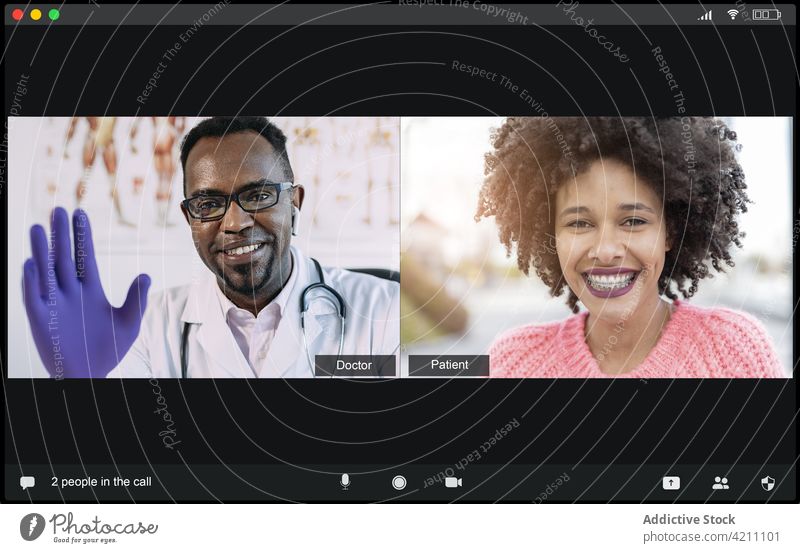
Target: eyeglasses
(252, 199)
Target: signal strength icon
(706, 16)
(733, 14)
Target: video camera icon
(452, 482)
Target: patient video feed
(571, 247)
(221, 247)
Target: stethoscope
(304, 303)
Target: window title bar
(407, 12)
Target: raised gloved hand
(77, 332)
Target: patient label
(448, 366)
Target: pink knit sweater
(695, 343)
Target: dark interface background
(500, 439)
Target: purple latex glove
(77, 332)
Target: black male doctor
(263, 309)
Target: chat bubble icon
(27, 482)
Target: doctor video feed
(597, 247)
(221, 247)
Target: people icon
(720, 484)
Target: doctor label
(355, 366)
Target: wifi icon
(733, 14)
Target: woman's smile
(611, 240)
(610, 283)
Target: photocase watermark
(52, 312)
(690, 152)
(664, 68)
(80, 244)
(19, 93)
(551, 488)
(505, 82)
(548, 247)
(31, 526)
(168, 434)
(4, 158)
(743, 11)
(587, 25)
(549, 121)
(67, 530)
(490, 10)
(619, 328)
(20, 90)
(64, 526)
(474, 456)
(152, 82)
(171, 53)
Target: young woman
(619, 213)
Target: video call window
(407, 252)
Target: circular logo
(31, 526)
(399, 482)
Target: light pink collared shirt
(254, 334)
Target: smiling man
(245, 319)
(241, 204)
(263, 309)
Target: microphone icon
(345, 481)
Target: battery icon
(766, 15)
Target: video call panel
(542, 264)
(531, 247)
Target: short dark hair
(223, 126)
(690, 162)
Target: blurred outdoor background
(349, 167)
(460, 290)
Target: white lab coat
(372, 327)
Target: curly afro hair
(689, 161)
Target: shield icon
(768, 483)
